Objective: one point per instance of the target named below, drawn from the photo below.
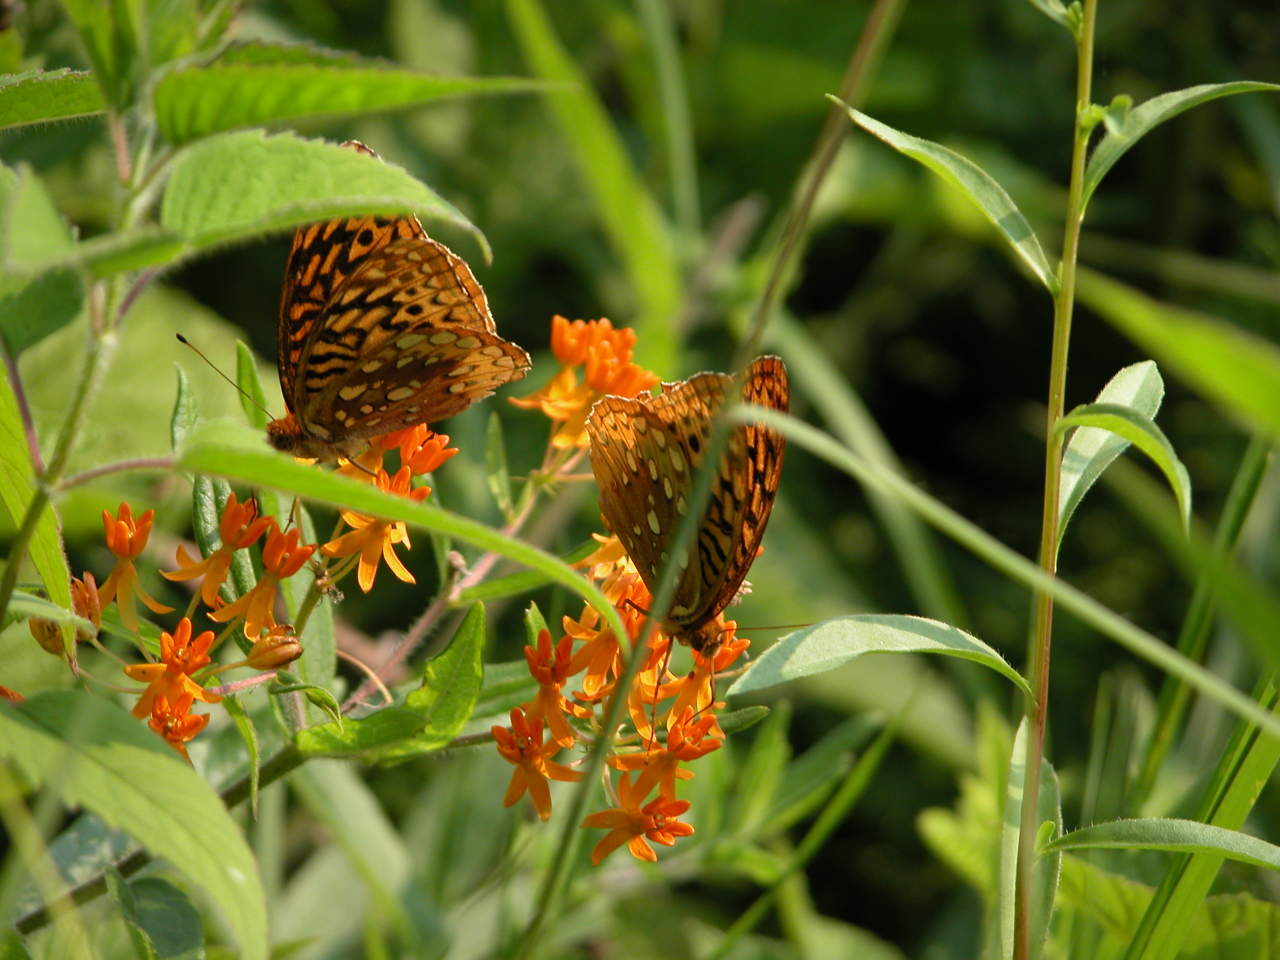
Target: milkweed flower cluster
(672, 718)
(178, 679)
(603, 353)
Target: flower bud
(274, 649)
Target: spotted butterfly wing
(645, 452)
(381, 328)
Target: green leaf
(978, 185)
(1090, 451)
(31, 230)
(534, 624)
(835, 642)
(631, 218)
(171, 921)
(1152, 113)
(110, 31)
(286, 682)
(431, 715)
(1048, 866)
(113, 253)
(42, 96)
(253, 399)
(23, 605)
(1182, 836)
(237, 186)
(93, 754)
(761, 773)
(184, 411)
(197, 101)
(1230, 366)
(522, 582)
(1056, 11)
(17, 489)
(143, 948)
(495, 462)
(810, 777)
(1142, 432)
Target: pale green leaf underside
(234, 186)
(1180, 836)
(1152, 113)
(978, 185)
(44, 96)
(198, 101)
(833, 643)
(97, 756)
(1090, 451)
(1142, 432)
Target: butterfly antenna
(244, 393)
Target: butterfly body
(645, 453)
(381, 328)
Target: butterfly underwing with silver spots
(381, 328)
(644, 453)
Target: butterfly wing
(644, 453)
(407, 338)
(324, 256)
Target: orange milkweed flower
(127, 538)
(551, 666)
(605, 354)
(687, 740)
(422, 450)
(282, 557)
(175, 722)
(374, 538)
(634, 825)
(180, 656)
(522, 745)
(696, 689)
(237, 530)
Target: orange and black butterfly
(645, 452)
(381, 328)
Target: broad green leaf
(430, 717)
(1230, 366)
(630, 216)
(978, 185)
(197, 101)
(833, 643)
(1153, 112)
(112, 253)
(261, 53)
(42, 96)
(93, 754)
(1090, 451)
(143, 948)
(1140, 430)
(17, 488)
(32, 230)
(171, 921)
(111, 31)
(1184, 836)
(236, 186)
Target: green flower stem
(1042, 636)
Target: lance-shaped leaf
(833, 643)
(1181, 836)
(42, 96)
(1142, 118)
(1140, 430)
(978, 185)
(1090, 450)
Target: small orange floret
(180, 656)
(127, 538)
(374, 538)
(635, 825)
(522, 745)
(175, 722)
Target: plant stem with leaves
(1042, 635)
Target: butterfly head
(287, 436)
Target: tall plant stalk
(1041, 639)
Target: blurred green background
(899, 286)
